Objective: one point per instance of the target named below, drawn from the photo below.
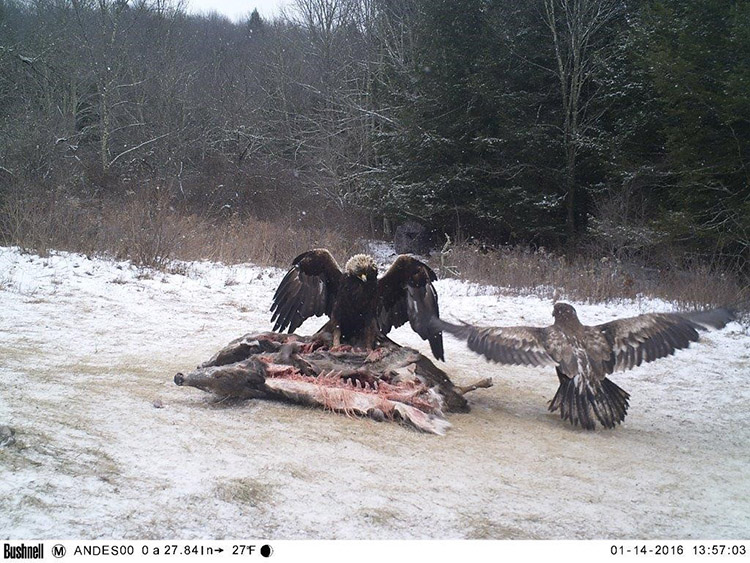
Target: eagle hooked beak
(363, 277)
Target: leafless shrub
(266, 243)
(538, 270)
(38, 221)
(143, 227)
(620, 225)
(702, 285)
(591, 277)
(152, 229)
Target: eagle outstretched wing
(584, 355)
(514, 345)
(308, 289)
(648, 337)
(628, 343)
(406, 293)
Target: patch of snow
(381, 251)
(89, 346)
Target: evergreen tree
(697, 56)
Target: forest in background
(603, 128)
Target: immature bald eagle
(583, 355)
(362, 308)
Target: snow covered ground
(106, 446)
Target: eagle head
(565, 314)
(361, 266)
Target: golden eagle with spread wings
(361, 308)
(584, 355)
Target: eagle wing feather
(513, 345)
(308, 289)
(406, 293)
(645, 338)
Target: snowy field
(106, 446)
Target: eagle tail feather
(602, 409)
(608, 403)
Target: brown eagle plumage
(584, 355)
(361, 308)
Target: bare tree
(109, 31)
(333, 132)
(576, 28)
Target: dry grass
(36, 221)
(246, 491)
(590, 278)
(153, 229)
(266, 243)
